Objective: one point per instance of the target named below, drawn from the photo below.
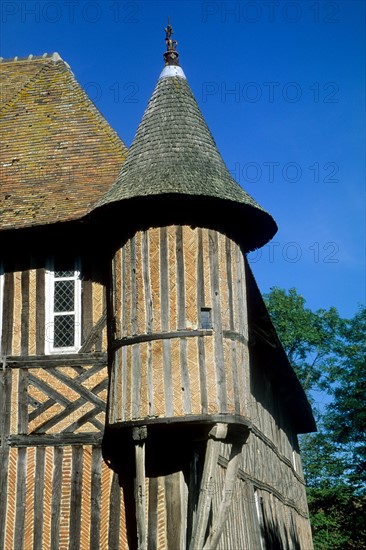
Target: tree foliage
(337, 518)
(346, 414)
(328, 355)
(307, 337)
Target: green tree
(337, 518)
(308, 338)
(328, 355)
(345, 417)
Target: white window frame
(1, 301)
(51, 314)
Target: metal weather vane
(171, 55)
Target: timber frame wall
(167, 367)
(56, 492)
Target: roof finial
(171, 55)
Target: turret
(179, 390)
(178, 281)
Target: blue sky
(282, 88)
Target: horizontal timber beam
(160, 336)
(60, 439)
(44, 361)
(139, 338)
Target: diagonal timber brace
(217, 435)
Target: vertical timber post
(139, 436)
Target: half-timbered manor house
(146, 401)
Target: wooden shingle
(174, 155)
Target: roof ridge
(55, 56)
(26, 84)
(60, 155)
(90, 105)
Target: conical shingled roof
(174, 154)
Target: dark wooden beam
(139, 436)
(218, 433)
(58, 439)
(45, 361)
(160, 336)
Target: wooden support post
(139, 436)
(228, 491)
(218, 432)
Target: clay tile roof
(174, 153)
(58, 155)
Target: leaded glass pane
(58, 274)
(64, 330)
(64, 296)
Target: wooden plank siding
(162, 278)
(280, 489)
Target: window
(1, 300)
(206, 321)
(63, 309)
